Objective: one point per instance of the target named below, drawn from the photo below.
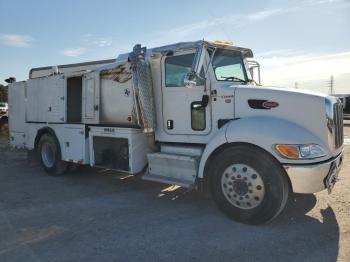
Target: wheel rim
(47, 154)
(242, 186)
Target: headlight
(300, 151)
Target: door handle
(96, 107)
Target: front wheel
(50, 155)
(248, 184)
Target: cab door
(183, 112)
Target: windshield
(228, 65)
(2, 105)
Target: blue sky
(303, 41)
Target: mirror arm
(210, 61)
(207, 70)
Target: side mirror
(190, 79)
(10, 80)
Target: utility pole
(331, 86)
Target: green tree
(3, 93)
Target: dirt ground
(94, 215)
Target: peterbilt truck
(190, 114)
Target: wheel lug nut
(256, 198)
(254, 176)
(234, 169)
(258, 187)
(240, 198)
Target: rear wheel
(50, 155)
(248, 184)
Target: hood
(301, 107)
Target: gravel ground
(95, 215)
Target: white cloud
(73, 52)
(309, 70)
(16, 40)
(209, 28)
(315, 2)
(103, 42)
(204, 28)
(264, 14)
(93, 40)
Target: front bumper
(311, 178)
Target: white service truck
(3, 108)
(188, 114)
(3, 113)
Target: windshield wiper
(233, 78)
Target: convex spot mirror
(190, 79)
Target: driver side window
(176, 68)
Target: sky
(300, 43)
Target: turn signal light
(289, 151)
(304, 151)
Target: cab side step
(172, 169)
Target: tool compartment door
(46, 99)
(73, 144)
(56, 99)
(91, 98)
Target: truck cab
(192, 114)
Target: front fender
(263, 132)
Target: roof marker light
(219, 42)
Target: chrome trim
(310, 178)
(338, 124)
(334, 116)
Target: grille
(338, 124)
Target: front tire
(248, 184)
(50, 155)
